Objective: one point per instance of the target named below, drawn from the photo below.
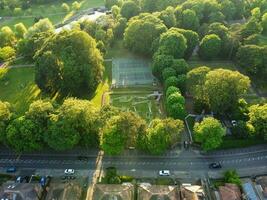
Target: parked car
(82, 158)
(69, 171)
(215, 165)
(164, 173)
(11, 170)
(43, 181)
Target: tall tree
(142, 31)
(210, 47)
(5, 117)
(209, 133)
(162, 134)
(224, 88)
(129, 9)
(23, 135)
(69, 63)
(7, 37)
(122, 131)
(172, 43)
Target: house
(21, 191)
(192, 192)
(146, 191)
(249, 191)
(230, 192)
(124, 191)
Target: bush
(180, 66)
(181, 84)
(168, 72)
(171, 90)
(7, 53)
(171, 81)
(65, 7)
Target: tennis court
(131, 72)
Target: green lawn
(51, 10)
(195, 62)
(18, 88)
(132, 100)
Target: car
(164, 173)
(234, 122)
(215, 165)
(11, 169)
(69, 171)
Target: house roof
(22, 191)
(114, 191)
(147, 191)
(230, 192)
(249, 191)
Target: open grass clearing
(17, 87)
(195, 62)
(51, 10)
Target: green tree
(231, 176)
(7, 37)
(195, 86)
(171, 90)
(110, 3)
(168, 72)
(228, 9)
(141, 32)
(264, 23)
(120, 27)
(189, 20)
(162, 134)
(224, 88)
(23, 135)
(168, 17)
(43, 25)
(65, 7)
(5, 117)
(258, 119)
(180, 66)
(39, 112)
(74, 122)
(191, 38)
(69, 63)
(250, 28)
(210, 47)
(172, 43)
(176, 106)
(209, 133)
(75, 6)
(160, 62)
(7, 53)
(171, 81)
(115, 10)
(20, 30)
(122, 131)
(129, 9)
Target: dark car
(82, 158)
(215, 165)
(11, 170)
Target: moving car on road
(215, 165)
(69, 171)
(11, 170)
(164, 173)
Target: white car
(69, 171)
(164, 173)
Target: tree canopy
(209, 133)
(141, 32)
(69, 63)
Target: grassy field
(52, 10)
(103, 87)
(137, 101)
(195, 62)
(18, 88)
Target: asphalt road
(185, 161)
